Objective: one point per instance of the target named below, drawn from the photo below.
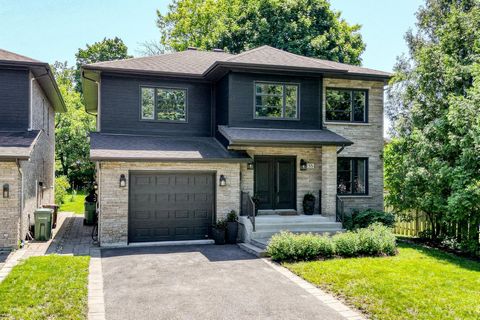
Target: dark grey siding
(221, 92)
(120, 107)
(241, 100)
(14, 99)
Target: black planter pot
(308, 206)
(218, 235)
(232, 232)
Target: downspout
(30, 116)
(98, 100)
(20, 214)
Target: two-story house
(186, 137)
(29, 99)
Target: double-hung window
(346, 105)
(163, 104)
(276, 101)
(352, 176)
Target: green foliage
(346, 244)
(286, 246)
(74, 203)
(105, 50)
(433, 163)
(61, 187)
(372, 241)
(306, 27)
(232, 216)
(376, 240)
(220, 224)
(72, 128)
(362, 219)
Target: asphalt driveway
(201, 282)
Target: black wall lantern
(303, 165)
(123, 181)
(6, 190)
(250, 166)
(223, 181)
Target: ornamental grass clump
(376, 240)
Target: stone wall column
(329, 180)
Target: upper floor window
(346, 105)
(352, 175)
(276, 100)
(163, 104)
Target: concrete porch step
(269, 234)
(275, 219)
(299, 227)
(252, 249)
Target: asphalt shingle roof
(14, 57)
(200, 63)
(17, 144)
(104, 146)
(277, 137)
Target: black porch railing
(248, 207)
(340, 211)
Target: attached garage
(170, 206)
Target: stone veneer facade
(367, 141)
(113, 200)
(16, 212)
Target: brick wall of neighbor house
(42, 161)
(307, 181)
(113, 220)
(10, 207)
(367, 138)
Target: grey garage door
(170, 206)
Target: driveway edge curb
(96, 300)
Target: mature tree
(433, 164)
(105, 50)
(307, 27)
(71, 131)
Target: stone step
(269, 234)
(252, 249)
(281, 212)
(270, 219)
(297, 226)
(260, 243)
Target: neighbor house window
(276, 100)
(352, 175)
(164, 104)
(347, 105)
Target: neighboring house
(29, 98)
(182, 137)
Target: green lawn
(76, 206)
(48, 287)
(418, 283)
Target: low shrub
(375, 240)
(61, 187)
(362, 219)
(287, 246)
(346, 244)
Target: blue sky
(51, 30)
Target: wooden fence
(412, 228)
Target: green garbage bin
(90, 208)
(43, 224)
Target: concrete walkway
(206, 282)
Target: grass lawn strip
(418, 283)
(47, 287)
(76, 206)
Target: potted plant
(232, 227)
(218, 231)
(309, 203)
